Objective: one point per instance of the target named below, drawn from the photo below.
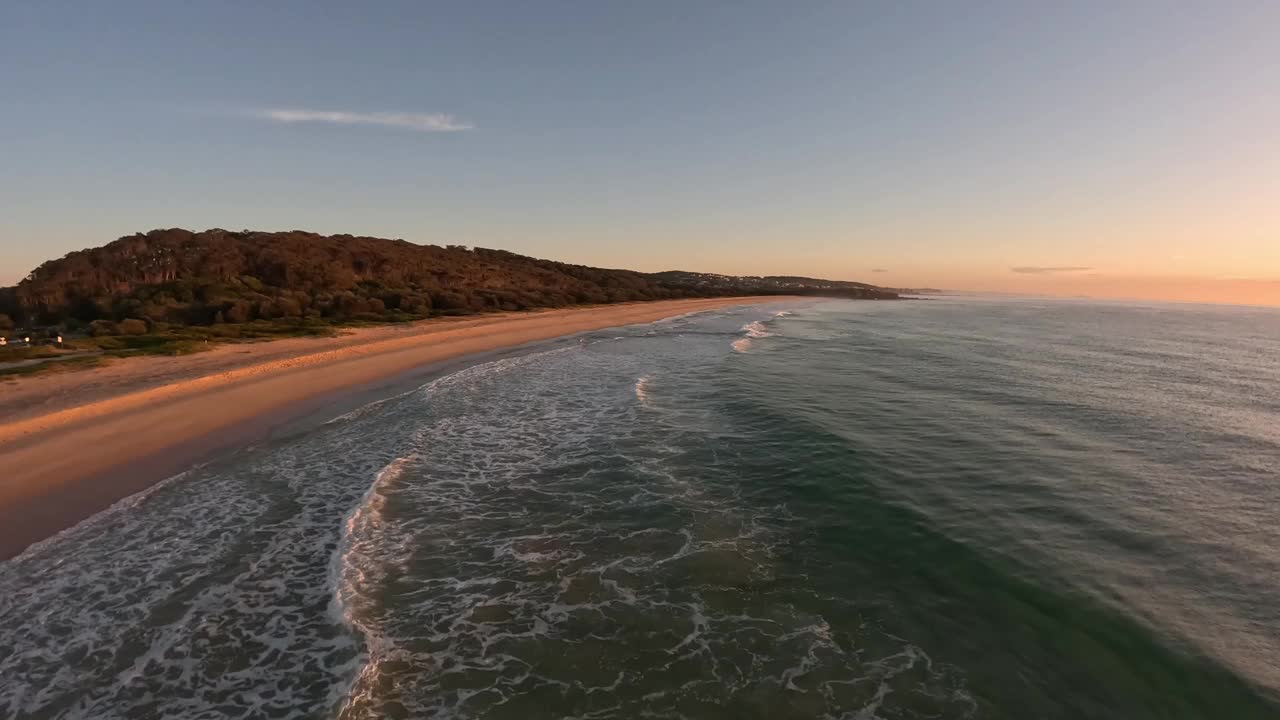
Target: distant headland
(167, 278)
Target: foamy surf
(756, 329)
(532, 565)
(508, 538)
(641, 390)
(753, 330)
(354, 563)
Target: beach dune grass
(79, 362)
(87, 352)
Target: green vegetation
(78, 362)
(145, 283)
(160, 340)
(184, 340)
(180, 278)
(175, 292)
(12, 354)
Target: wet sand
(72, 444)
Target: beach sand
(72, 444)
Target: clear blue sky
(944, 143)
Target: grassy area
(164, 340)
(134, 345)
(186, 340)
(259, 330)
(57, 366)
(12, 354)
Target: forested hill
(181, 277)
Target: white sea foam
(753, 330)
(515, 520)
(756, 329)
(641, 389)
(495, 536)
(113, 512)
(347, 577)
(209, 565)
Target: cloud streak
(1038, 270)
(418, 122)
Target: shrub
(133, 326)
(288, 307)
(102, 328)
(238, 312)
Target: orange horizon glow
(1226, 291)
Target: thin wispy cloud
(1038, 270)
(878, 270)
(417, 122)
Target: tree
(178, 276)
(6, 323)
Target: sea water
(928, 509)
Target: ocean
(945, 508)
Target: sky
(1110, 149)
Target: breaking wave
(511, 538)
(757, 329)
(567, 558)
(641, 388)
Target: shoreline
(74, 444)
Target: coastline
(74, 444)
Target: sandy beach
(74, 443)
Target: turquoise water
(935, 509)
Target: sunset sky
(1112, 149)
